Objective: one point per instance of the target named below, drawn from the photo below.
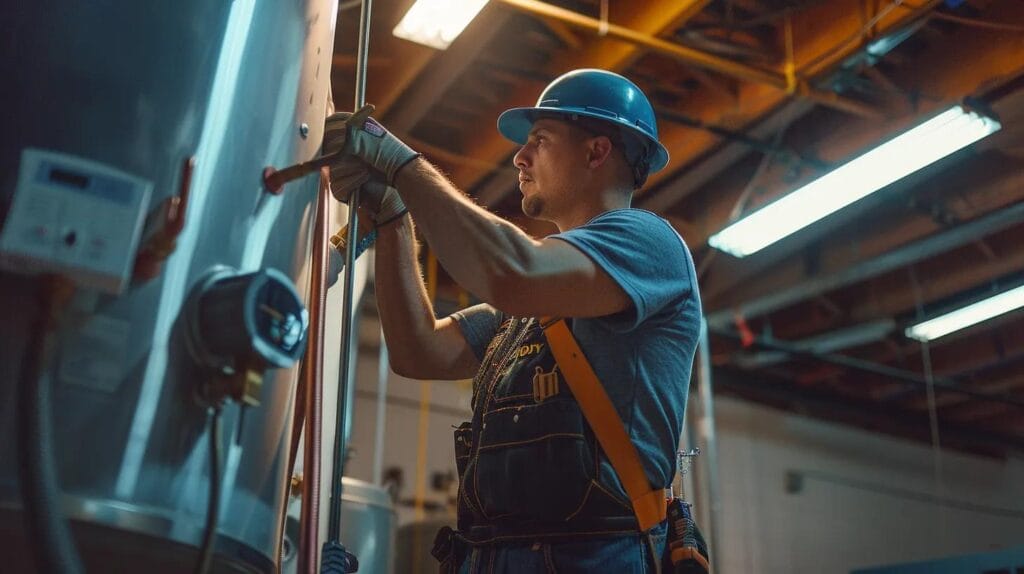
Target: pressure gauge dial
(239, 319)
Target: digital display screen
(68, 178)
(107, 187)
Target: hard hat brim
(515, 124)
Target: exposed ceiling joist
(687, 181)
(865, 414)
(651, 42)
(949, 282)
(986, 61)
(945, 384)
(444, 70)
(820, 25)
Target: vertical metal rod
(362, 54)
(347, 318)
(707, 430)
(382, 409)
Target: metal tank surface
(139, 88)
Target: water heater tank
(111, 110)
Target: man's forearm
(481, 251)
(406, 314)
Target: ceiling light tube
(966, 316)
(923, 145)
(436, 23)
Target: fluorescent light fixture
(436, 23)
(906, 153)
(966, 316)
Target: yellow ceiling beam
(651, 42)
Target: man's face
(551, 160)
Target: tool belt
(686, 552)
(451, 546)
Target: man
(536, 492)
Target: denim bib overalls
(528, 462)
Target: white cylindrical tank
(138, 88)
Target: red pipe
(309, 518)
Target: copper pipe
(309, 518)
(298, 419)
(274, 180)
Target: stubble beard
(533, 206)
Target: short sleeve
(643, 254)
(479, 324)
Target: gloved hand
(339, 246)
(360, 135)
(379, 199)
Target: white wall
(861, 510)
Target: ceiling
(754, 97)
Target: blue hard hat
(596, 94)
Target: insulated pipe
(313, 371)
(707, 432)
(347, 318)
(49, 535)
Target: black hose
(213, 501)
(49, 536)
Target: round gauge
(276, 319)
(239, 317)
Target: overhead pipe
(945, 384)
(837, 340)
(693, 56)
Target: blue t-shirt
(643, 355)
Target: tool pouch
(463, 445)
(685, 549)
(449, 550)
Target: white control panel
(75, 217)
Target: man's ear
(599, 149)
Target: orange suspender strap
(648, 503)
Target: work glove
(379, 204)
(360, 135)
(380, 200)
